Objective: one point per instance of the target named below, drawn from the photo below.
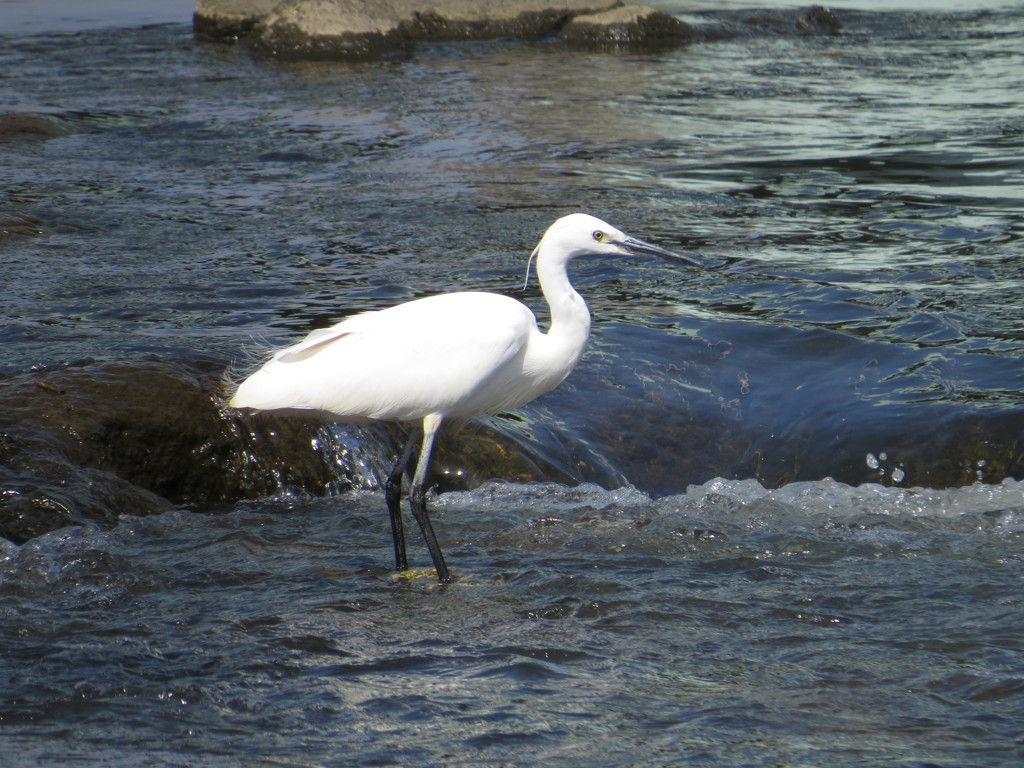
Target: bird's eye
(598, 235)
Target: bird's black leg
(393, 494)
(418, 502)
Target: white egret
(452, 355)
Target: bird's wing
(434, 355)
(308, 347)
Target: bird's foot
(416, 574)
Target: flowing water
(779, 518)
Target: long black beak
(636, 247)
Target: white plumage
(457, 354)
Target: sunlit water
(859, 200)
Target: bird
(452, 355)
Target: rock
(628, 26)
(812, 20)
(229, 18)
(95, 441)
(817, 20)
(370, 29)
(13, 224)
(31, 125)
(365, 29)
(521, 19)
(332, 29)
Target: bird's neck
(570, 318)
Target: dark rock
(812, 20)
(16, 225)
(817, 20)
(98, 441)
(15, 125)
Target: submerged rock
(817, 20)
(16, 225)
(730, 25)
(811, 20)
(31, 125)
(628, 26)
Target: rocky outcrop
(375, 29)
(369, 29)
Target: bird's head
(580, 234)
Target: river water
(774, 517)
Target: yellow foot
(414, 574)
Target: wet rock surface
(809, 20)
(96, 440)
